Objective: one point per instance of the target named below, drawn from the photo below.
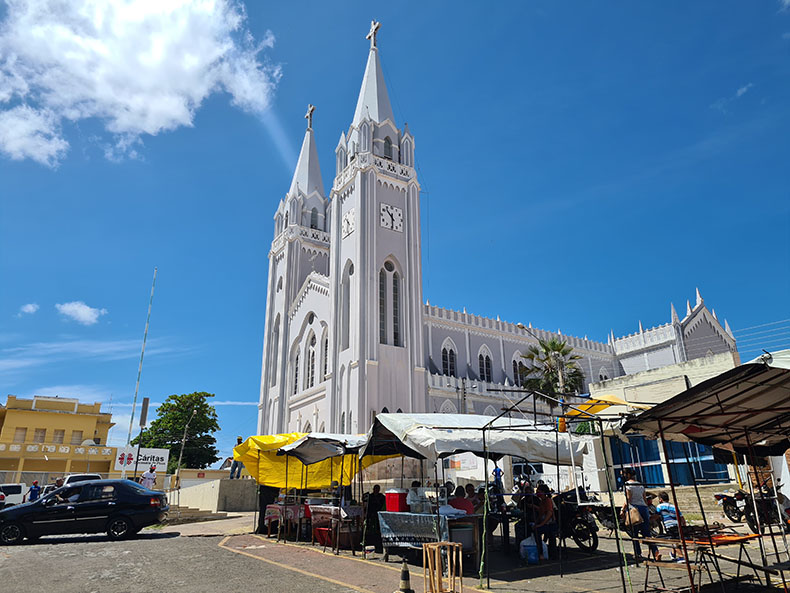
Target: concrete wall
(218, 495)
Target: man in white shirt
(149, 478)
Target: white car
(74, 478)
(14, 493)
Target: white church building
(347, 332)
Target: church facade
(347, 332)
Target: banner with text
(148, 457)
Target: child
(670, 516)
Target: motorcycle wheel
(752, 523)
(584, 535)
(732, 512)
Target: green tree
(167, 430)
(547, 361)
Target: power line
(762, 325)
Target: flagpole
(139, 372)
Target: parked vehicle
(119, 508)
(2, 501)
(577, 520)
(74, 478)
(14, 493)
(766, 510)
(733, 504)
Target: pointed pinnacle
(699, 299)
(688, 308)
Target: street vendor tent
(318, 446)
(433, 436)
(749, 404)
(259, 456)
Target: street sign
(158, 457)
(144, 413)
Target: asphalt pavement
(151, 563)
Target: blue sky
(582, 165)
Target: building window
(387, 147)
(286, 220)
(274, 350)
(310, 370)
(396, 335)
(40, 435)
(382, 306)
(20, 434)
(519, 373)
(345, 313)
(326, 356)
(296, 373)
(448, 362)
(307, 428)
(342, 423)
(314, 218)
(484, 364)
(58, 436)
(76, 437)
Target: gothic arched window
(396, 334)
(314, 218)
(342, 423)
(382, 306)
(326, 355)
(286, 220)
(296, 373)
(387, 147)
(274, 349)
(448, 362)
(484, 364)
(310, 365)
(345, 312)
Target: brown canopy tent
(745, 409)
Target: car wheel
(11, 533)
(119, 528)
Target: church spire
(307, 176)
(373, 101)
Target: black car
(119, 508)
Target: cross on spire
(309, 116)
(374, 28)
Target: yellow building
(42, 437)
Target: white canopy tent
(434, 436)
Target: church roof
(373, 98)
(308, 172)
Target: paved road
(152, 563)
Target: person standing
(236, 466)
(34, 492)
(546, 523)
(635, 499)
(149, 478)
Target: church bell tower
(375, 263)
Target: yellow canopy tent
(599, 403)
(259, 456)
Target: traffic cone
(405, 583)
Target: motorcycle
(733, 505)
(767, 511)
(577, 520)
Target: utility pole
(181, 454)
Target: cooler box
(396, 500)
(464, 534)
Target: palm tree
(552, 369)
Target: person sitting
(459, 501)
(471, 494)
(546, 523)
(671, 516)
(413, 498)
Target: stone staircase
(688, 503)
(178, 514)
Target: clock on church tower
(391, 217)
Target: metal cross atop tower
(374, 28)
(309, 116)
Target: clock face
(391, 217)
(347, 225)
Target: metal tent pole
(620, 551)
(687, 451)
(559, 506)
(693, 589)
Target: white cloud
(743, 90)
(28, 309)
(139, 67)
(722, 104)
(80, 312)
